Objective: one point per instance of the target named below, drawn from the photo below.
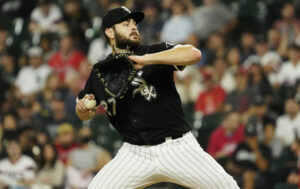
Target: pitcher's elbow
(197, 55)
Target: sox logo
(147, 91)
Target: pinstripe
(137, 167)
(195, 163)
(151, 172)
(125, 167)
(165, 166)
(171, 166)
(116, 168)
(186, 164)
(126, 170)
(210, 168)
(104, 170)
(227, 177)
(109, 170)
(203, 168)
(169, 147)
(214, 166)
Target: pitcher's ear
(110, 33)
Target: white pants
(181, 161)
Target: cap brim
(137, 16)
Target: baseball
(90, 104)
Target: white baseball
(90, 104)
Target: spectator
(77, 21)
(239, 99)
(250, 160)
(98, 8)
(212, 98)
(65, 141)
(151, 27)
(4, 93)
(271, 62)
(7, 125)
(66, 58)
(271, 140)
(98, 50)
(25, 112)
(233, 59)
(8, 68)
(223, 76)
(247, 45)
(179, 22)
(27, 138)
(188, 84)
(46, 44)
(9, 122)
(261, 45)
(259, 83)
(215, 48)
(297, 92)
(289, 25)
(4, 42)
(224, 139)
(45, 18)
(289, 123)
(52, 85)
(213, 12)
(274, 39)
(58, 114)
(51, 172)
(290, 70)
(259, 114)
(85, 161)
(31, 79)
(292, 179)
(42, 138)
(17, 170)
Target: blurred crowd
(242, 99)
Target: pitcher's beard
(126, 43)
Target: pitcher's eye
(126, 23)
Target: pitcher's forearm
(180, 55)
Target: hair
(105, 36)
(43, 160)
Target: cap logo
(126, 9)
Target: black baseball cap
(118, 15)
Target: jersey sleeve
(163, 46)
(88, 88)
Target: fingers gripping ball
(90, 104)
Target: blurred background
(242, 99)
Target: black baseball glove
(115, 74)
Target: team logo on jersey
(140, 73)
(147, 91)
